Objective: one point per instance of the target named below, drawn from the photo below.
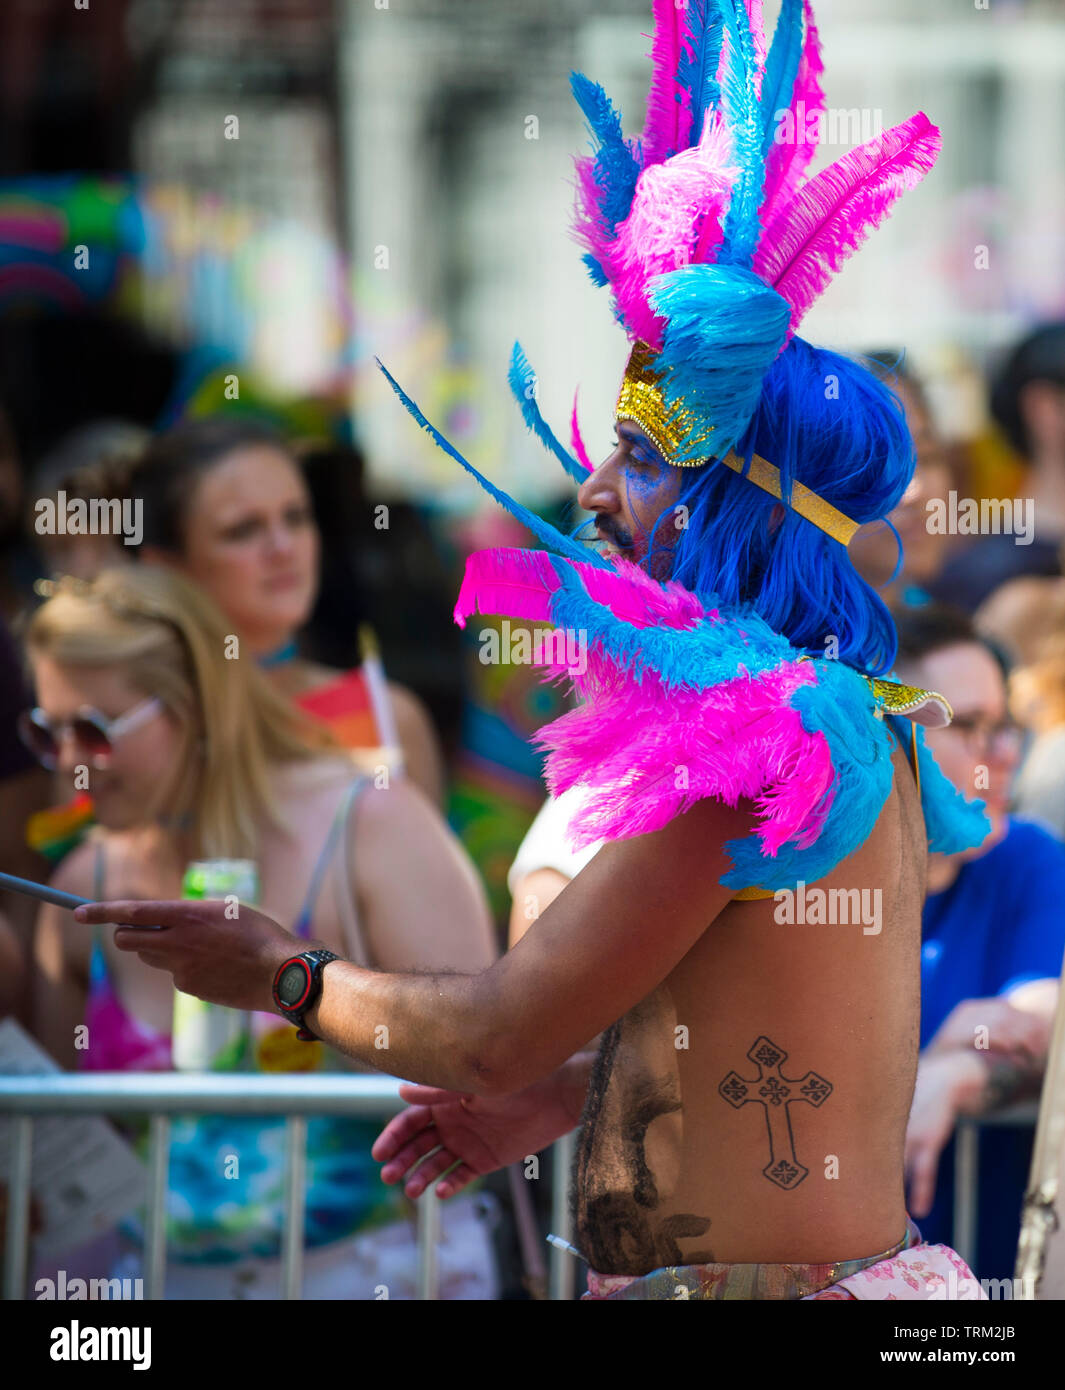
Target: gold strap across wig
(670, 430)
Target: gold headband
(672, 429)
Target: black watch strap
(312, 963)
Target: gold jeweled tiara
(673, 429)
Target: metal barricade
(967, 1170)
(161, 1095)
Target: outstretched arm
(610, 938)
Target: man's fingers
(399, 1131)
(923, 1165)
(139, 914)
(410, 1154)
(138, 939)
(456, 1181)
(429, 1095)
(428, 1172)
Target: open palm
(479, 1134)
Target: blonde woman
(190, 755)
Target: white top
(545, 846)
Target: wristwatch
(297, 985)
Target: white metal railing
(161, 1095)
(967, 1170)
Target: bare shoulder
(75, 871)
(74, 874)
(399, 809)
(407, 706)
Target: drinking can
(211, 1037)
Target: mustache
(615, 535)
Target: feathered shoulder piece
(682, 700)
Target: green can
(210, 1037)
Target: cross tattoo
(771, 1089)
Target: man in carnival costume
(747, 939)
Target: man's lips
(621, 543)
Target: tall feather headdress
(711, 238)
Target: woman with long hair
(226, 504)
(190, 754)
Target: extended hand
(992, 1025)
(224, 952)
(478, 1133)
(942, 1081)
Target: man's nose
(599, 491)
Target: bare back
(753, 1108)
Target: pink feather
(633, 597)
(788, 161)
(757, 23)
(737, 739)
(577, 440)
(811, 236)
(677, 211)
(624, 743)
(668, 104)
(588, 217)
(519, 583)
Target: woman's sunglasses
(92, 731)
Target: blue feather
(522, 380)
(595, 270)
(953, 821)
(543, 530)
(724, 329)
(782, 68)
(742, 230)
(697, 69)
(617, 162)
(841, 707)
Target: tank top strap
(98, 967)
(337, 832)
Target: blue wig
(827, 422)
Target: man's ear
(776, 517)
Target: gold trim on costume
(676, 429)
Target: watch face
(292, 984)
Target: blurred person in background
(24, 790)
(17, 561)
(87, 463)
(993, 936)
(210, 761)
(1037, 701)
(875, 549)
(390, 564)
(226, 504)
(1028, 404)
(1019, 615)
